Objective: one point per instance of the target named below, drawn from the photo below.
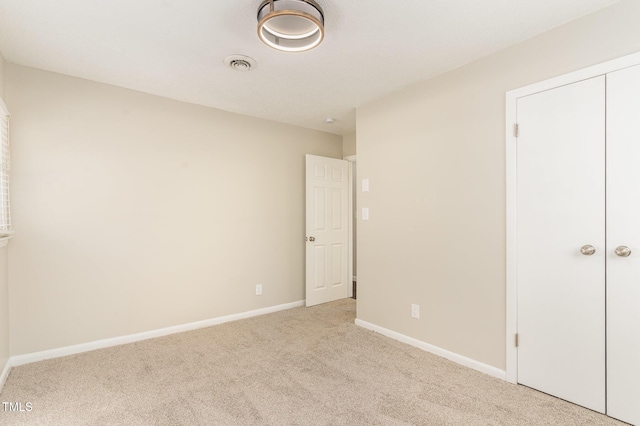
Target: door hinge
(516, 130)
(517, 340)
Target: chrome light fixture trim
(290, 25)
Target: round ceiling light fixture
(290, 25)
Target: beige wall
(4, 284)
(4, 310)
(349, 145)
(435, 157)
(134, 212)
(2, 65)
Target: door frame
(511, 193)
(351, 159)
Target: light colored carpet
(304, 366)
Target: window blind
(5, 211)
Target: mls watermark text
(17, 407)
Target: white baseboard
(5, 374)
(17, 360)
(451, 356)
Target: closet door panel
(623, 229)
(560, 208)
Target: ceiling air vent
(240, 62)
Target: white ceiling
(176, 49)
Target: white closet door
(327, 229)
(560, 208)
(623, 229)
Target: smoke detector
(240, 62)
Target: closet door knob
(587, 250)
(623, 251)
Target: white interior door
(623, 229)
(327, 227)
(560, 208)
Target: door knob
(312, 238)
(587, 250)
(623, 251)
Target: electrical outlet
(415, 311)
(258, 289)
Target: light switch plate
(365, 213)
(365, 185)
